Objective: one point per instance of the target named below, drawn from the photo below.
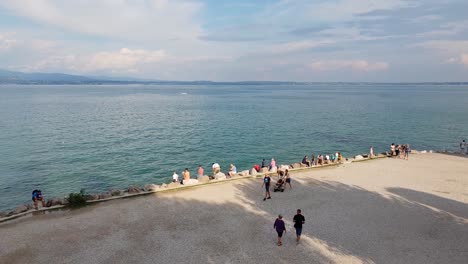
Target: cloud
(7, 41)
(123, 60)
(296, 46)
(355, 65)
(137, 20)
(331, 11)
(462, 59)
(445, 46)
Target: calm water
(64, 138)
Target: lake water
(64, 138)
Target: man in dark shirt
(266, 183)
(298, 222)
(264, 163)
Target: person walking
(288, 179)
(463, 147)
(298, 220)
(280, 228)
(266, 183)
(407, 151)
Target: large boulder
(2, 214)
(54, 202)
(264, 170)
(151, 187)
(244, 173)
(296, 165)
(105, 195)
(91, 197)
(358, 157)
(173, 185)
(203, 179)
(133, 189)
(116, 192)
(274, 169)
(253, 172)
(220, 176)
(163, 186)
(284, 167)
(413, 151)
(190, 182)
(423, 152)
(303, 165)
(20, 209)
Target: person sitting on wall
(216, 168)
(257, 167)
(232, 170)
(306, 161)
(36, 197)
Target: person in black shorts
(288, 179)
(266, 183)
(298, 222)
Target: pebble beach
(381, 211)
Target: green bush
(77, 199)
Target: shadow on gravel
(369, 227)
(343, 224)
(456, 208)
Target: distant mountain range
(15, 77)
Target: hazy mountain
(22, 77)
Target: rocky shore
(57, 203)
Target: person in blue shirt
(36, 197)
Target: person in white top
(216, 168)
(371, 152)
(175, 177)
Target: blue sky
(314, 40)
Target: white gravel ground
(383, 211)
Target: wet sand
(382, 211)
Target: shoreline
(125, 194)
(385, 211)
(165, 188)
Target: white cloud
(355, 65)
(298, 46)
(445, 46)
(125, 61)
(136, 20)
(7, 41)
(462, 59)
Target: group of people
(401, 151)
(216, 169)
(280, 226)
(283, 180)
(322, 159)
(186, 179)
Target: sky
(220, 40)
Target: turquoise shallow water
(64, 138)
